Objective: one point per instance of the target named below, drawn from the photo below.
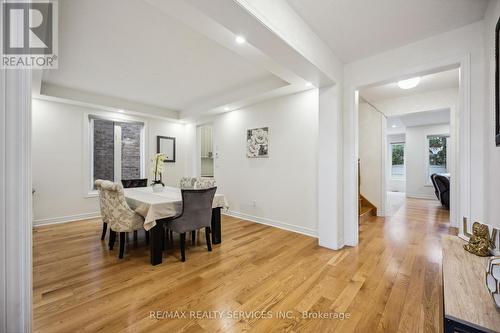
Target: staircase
(365, 208)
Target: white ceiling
(355, 29)
(416, 119)
(131, 50)
(432, 82)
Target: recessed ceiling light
(121, 111)
(309, 84)
(393, 126)
(409, 84)
(240, 39)
(227, 108)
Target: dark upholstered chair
(436, 191)
(443, 187)
(128, 183)
(196, 214)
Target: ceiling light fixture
(309, 84)
(121, 111)
(409, 84)
(240, 39)
(226, 108)
(393, 126)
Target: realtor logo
(29, 32)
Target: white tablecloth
(158, 205)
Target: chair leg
(112, 237)
(147, 236)
(122, 244)
(104, 228)
(193, 237)
(172, 239)
(207, 236)
(183, 246)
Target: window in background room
(437, 155)
(116, 150)
(398, 160)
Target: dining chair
(187, 182)
(132, 183)
(196, 214)
(204, 182)
(102, 206)
(129, 183)
(121, 218)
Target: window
(116, 149)
(398, 160)
(437, 155)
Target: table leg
(155, 242)
(216, 227)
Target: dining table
(159, 206)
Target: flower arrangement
(157, 162)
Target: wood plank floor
(391, 282)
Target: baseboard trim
(273, 223)
(66, 219)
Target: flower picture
(258, 142)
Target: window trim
(428, 182)
(88, 138)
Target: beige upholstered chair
(120, 217)
(104, 214)
(204, 183)
(187, 182)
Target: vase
(157, 187)
(493, 279)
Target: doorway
(408, 131)
(206, 151)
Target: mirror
(166, 146)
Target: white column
(15, 201)
(330, 226)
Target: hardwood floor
(390, 282)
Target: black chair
(436, 191)
(131, 183)
(443, 187)
(128, 183)
(196, 214)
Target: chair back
(129, 183)
(120, 217)
(196, 210)
(187, 182)
(102, 200)
(443, 186)
(436, 190)
(204, 182)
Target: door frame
(459, 185)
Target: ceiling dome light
(309, 84)
(227, 108)
(409, 84)
(393, 126)
(240, 39)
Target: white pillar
(15, 201)
(330, 225)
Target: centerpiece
(157, 162)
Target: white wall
(416, 153)
(394, 184)
(58, 159)
(492, 166)
(370, 153)
(280, 190)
